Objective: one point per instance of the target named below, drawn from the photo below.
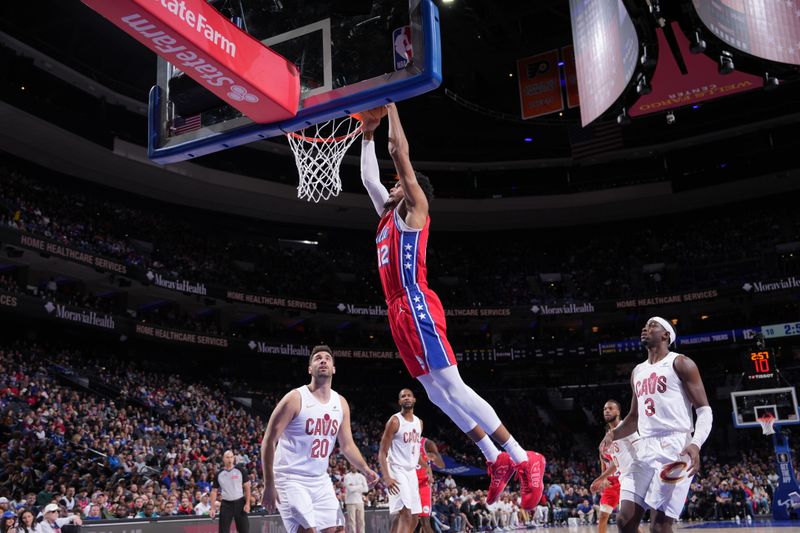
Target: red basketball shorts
(425, 498)
(416, 319)
(610, 496)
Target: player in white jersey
(665, 388)
(398, 457)
(300, 435)
(616, 463)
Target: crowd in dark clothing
(709, 250)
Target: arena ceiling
(482, 40)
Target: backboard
(351, 55)
(749, 405)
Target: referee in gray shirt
(235, 487)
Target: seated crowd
(153, 450)
(721, 249)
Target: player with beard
(398, 457)
(615, 463)
(416, 315)
(665, 388)
(301, 434)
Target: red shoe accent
(531, 474)
(500, 472)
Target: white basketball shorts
(408, 496)
(643, 483)
(308, 502)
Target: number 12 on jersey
(383, 255)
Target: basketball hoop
(767, 421)
(318, 152)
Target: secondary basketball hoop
(767, 423)
(318, 152)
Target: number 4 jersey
(308, 440)
(663, 404)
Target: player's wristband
(702, 427)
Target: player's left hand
(371, 475)
(247, 507)
(599, 485)
(694, 455)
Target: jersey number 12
(383, 255)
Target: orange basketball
(376, 113)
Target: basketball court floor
(762, 526)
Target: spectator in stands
(185, 508)
(742, 502)
(52, 523)
(467, 511)
(203, 508)
(8, 521)
(724, 499)
(93, 512)
(585, 512)
(149, 511)
(46, 495)
(26, 522)
(542, 512)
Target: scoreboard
(759, 365)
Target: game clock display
(758, 364)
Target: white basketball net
(318, 152)
(767, 424)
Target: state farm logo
(240, 94)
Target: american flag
(185, 124)
(596, 139)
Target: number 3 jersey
(308, 440)
(664, 406)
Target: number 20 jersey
(309, 438)
(663, 404)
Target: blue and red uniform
(416, 316)
(424, 481)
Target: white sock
(488, 448)
(515, 451)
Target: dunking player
(428, 453)
(665, 388)
(616, 467)
(399, 458)
(304, 428)
(416, 316)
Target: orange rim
(328, 139)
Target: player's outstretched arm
(348, 446)
(392, 426)
(370, 172)
(287, 408)
(693, 386)
(415, 200)
(433, 453)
